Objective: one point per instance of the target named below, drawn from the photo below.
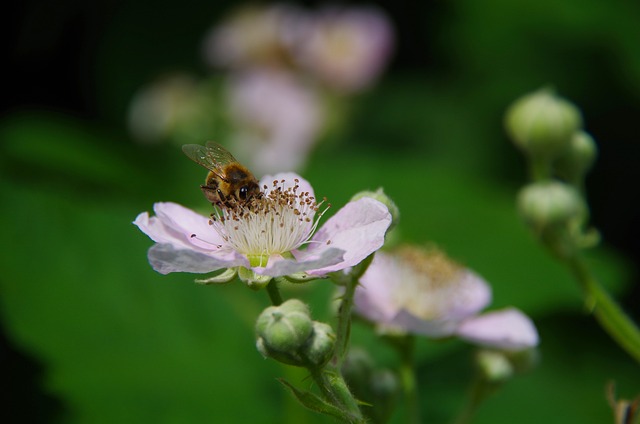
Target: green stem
(409, 380)
(479, 391)
(343, 331)
(336, 391)
(274, 292)
(608, 313)
(539, 169)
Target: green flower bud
(381, 197)
(284, 328)
(319, 346)
(542, 124)
(494, 365)
(357, 367)
(385, 389)
(578, 158)
(550, 203)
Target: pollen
(278, 221)
(430, 279)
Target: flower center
(276, 222)
(430, 282)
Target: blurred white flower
(255, 36)
(277, 117)
(347, 48)
(425, 292)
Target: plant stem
(479, 391)
(336, 391)
(343, 331)
(408, 379)
(608, 313)
(274, 292)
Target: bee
(228, 183)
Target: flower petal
(166, 258)
(358, 229)
(507, 329)
(278, 266)
(432, 328)
(472, 294)
(374, 294)
(174, 224)
(289, 178)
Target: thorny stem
(335, 390)
(608, 313)
(344, 313)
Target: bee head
(247, 191)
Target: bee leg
(209, 192)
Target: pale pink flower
(255, 36)
(277, 119)
(347, 48)
(424, 292)
(277, 239)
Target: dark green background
(92, 334)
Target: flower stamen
(276, 222)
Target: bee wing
(213, 156)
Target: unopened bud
(494, 365)
(319, 346)
(284, 328)
(550, 203)
(381, 197)
(542, 124)
(578, 158)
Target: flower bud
(494, 365)
(283, 328)
(319, 346)
(550, 203)
(381, 197)
(542, 124)
(578, 158)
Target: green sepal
(300, 277)
(315, 403)
(228, 275)
(253, 280)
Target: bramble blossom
(272, 235)
(278, 119)
(424, 292)
(347, 48)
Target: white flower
(273, 235)
(424, 292)
(255, 36)
(347, 48)
(278, 119)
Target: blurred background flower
(423, 292)
(92, 334)
(277, 117)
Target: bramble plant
(405, 292)
(548, 130)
